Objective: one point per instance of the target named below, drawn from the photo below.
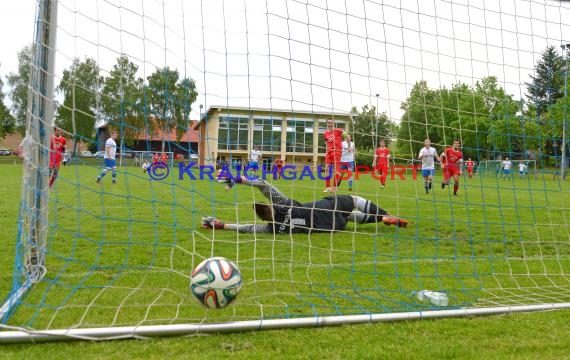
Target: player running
(469, 165)
(333, 141)
(453, 165)
(428, 155)
(380, 163)
(57, 149)
(285, 215)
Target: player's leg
(329, 163)
(351, 175)
(455, 182)
(54, 171)
(114, 174)
(425, 175)
(446, 177)
(368, 212)
(108, 166)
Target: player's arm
(437, 157)
(268, 190)
(213, 223)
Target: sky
(320, 55)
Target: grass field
(114, 250)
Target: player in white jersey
(506, 168)
(254, 158)
(347, 157)
(109, 158)
(522, 169)
(428, 155)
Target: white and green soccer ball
(216, 282)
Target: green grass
(113, 250)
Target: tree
(369, 128)
(19, 84)
(80, 85)
(170, 101)
(422, 118)
(121, 98)
(547, 84)
(7, 123)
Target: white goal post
(494, 168)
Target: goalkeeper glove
(211, 222)
(228, 180)
(392, 220)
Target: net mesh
(211, 80)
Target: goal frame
(33, 230)
(494, 164)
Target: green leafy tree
(170, 101)
(19, 84)
(122, 99)
(80, 85)
(422, 118)
(547, 85)
(7, 122)
(186, 95)
(369, 128)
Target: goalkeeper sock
(371, 212)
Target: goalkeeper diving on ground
(285, 215)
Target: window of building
(232, 133)
(300, 135)
(267, 134)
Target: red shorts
(382, 169)
(333, 158)
(452, 171)
(55, 160)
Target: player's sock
(337, 180)
(371, 213)
(328, 182)
(455, 188)
(430, 185)
(443, 185)
(114, 176)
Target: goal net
(104, 252)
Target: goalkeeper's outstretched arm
(268, 190)
(213, 223)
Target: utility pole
(376, 123)
(565, 52)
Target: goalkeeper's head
(264, 211)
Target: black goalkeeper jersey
(328, 214)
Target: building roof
(191, 135)
(220, 108)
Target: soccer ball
(215, 282)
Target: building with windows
(228, 135)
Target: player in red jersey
(164, 158)
(333, 141)
(454, 162)
(380, 163)
(470, 164)
(278, 167)
(155, 158)
(57, 148)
